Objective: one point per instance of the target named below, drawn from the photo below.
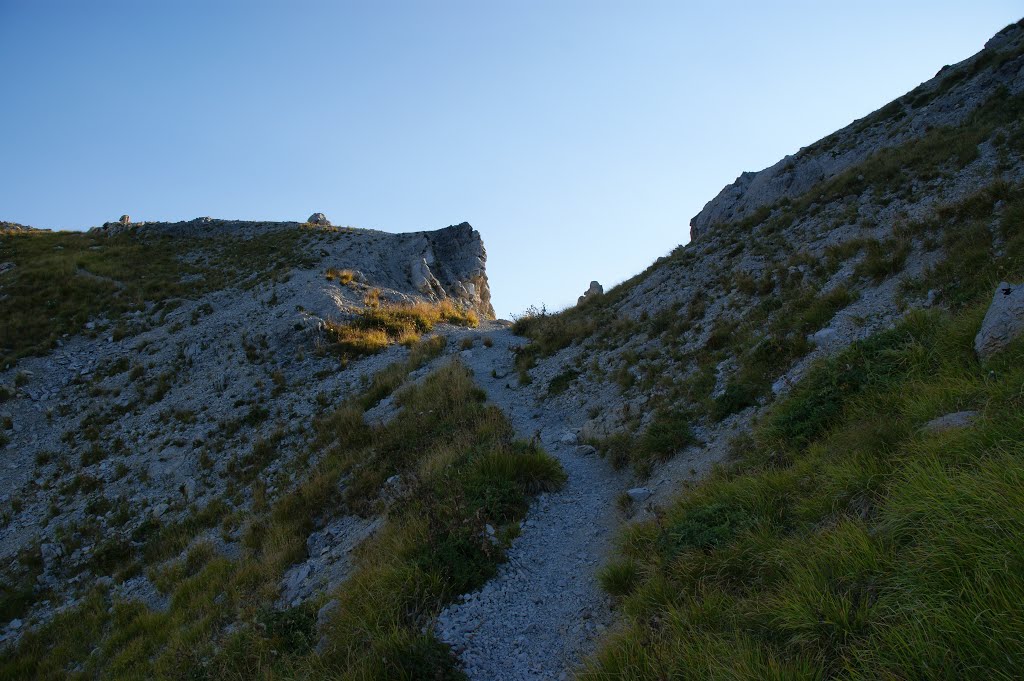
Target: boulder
(825, 336)
(319, 219)
(639, 494)
(124, 220)
(1003, 323)
(50, 553)
(595, 290)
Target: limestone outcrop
(595, 290)
(1003, 323)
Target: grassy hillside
(61, 280)
(460, 471)
(845, 541)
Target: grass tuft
(376, 327)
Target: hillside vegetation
(460, 472)
(845, 541)
(61, 280)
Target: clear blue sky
(579, 137)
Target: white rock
(823, 337)
(50, 553)
(954, 421)
(639, 494)
(1003, 323)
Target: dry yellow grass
(380, 325)
(343, 277)
(356, 341)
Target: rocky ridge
(946, 100)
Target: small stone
(824, 337)
(954, 421)
(639, 494)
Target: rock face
(595, 290)
(319, 219)
(948, 99)
(1003, 323)
(456, 259)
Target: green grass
(61, 280)
(560, 383)
(385, 382)
(668, 432)
(842, 543)
(763, 359)
(461, 470)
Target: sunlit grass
(379, 325)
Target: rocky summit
(791, 448)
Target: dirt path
(540, 616)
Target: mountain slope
(188, 363)
(262, 448)
(822, 318)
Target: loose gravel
(541, 615)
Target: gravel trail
(542, 613)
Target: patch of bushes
(763, 360)
(385, 382)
